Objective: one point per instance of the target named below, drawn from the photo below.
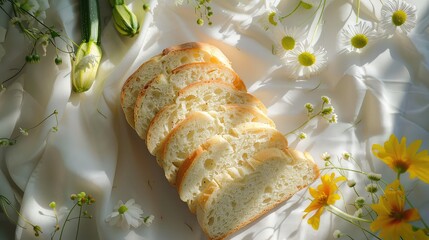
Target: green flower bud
(374, 176)
(371, 188)
(351, 183)
(85, 66)
(359, 202)
(126, 22)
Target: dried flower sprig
(5, 203)
(326, 112)
(4, 141)
(202, 8)
(28, 17)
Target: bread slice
(218, 153)
(169, 59)
(243, 194)
(200, 96)
(163, 89)
(198, 127)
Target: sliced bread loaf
(163, 89)
(169, 59)
(200, 96)
(198, 127)
(243, 194)
(219, 153)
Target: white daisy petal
(397, 15)
(126, 215)
(304, 61)
(357, 37)
(285, 38)
(269, 19)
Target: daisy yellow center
(322, 199)
(288, 43)
(397, 215)
(359, 40)
(271, 19)
(399, 17)
(122, 209)
(401, 166)
(306, 59)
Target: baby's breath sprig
(4, 203)
(81, 200)
(26, 131)
(326, 112)
(28, 21)
(202, 8)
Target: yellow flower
(401, 159)
(324, 195)
(392, 220)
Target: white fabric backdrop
(384, 89)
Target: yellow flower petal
(314, 221)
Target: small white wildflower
(302, 136)
(346, 155)
(126, 215)
(337, 234)
(304, 61)
(148, 220)
(334, 118)
(374, 176)
(327, 111)
(285, 39)
(309, 107)
(371, 188)
(351, 183)
(358, 37)
(397, 15)
(359, 202)
(269, 19)
(23, 131)
(326, 156)
(326, 100)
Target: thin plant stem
(78, 222)
(293, 11)
(358, 11)
(65, 221)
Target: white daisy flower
(126, 215)
(397, 15)
(285, 39)
(326, 156)
(305, 61)
(357, 37)
(270, 18)
(308, 4)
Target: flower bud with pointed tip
(125, 21)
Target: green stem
(78, 222)
(357, 225)
(323, 4)
(412, 206)
(358, 11)
(345, 215)
(65, 221)
(293, 11)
